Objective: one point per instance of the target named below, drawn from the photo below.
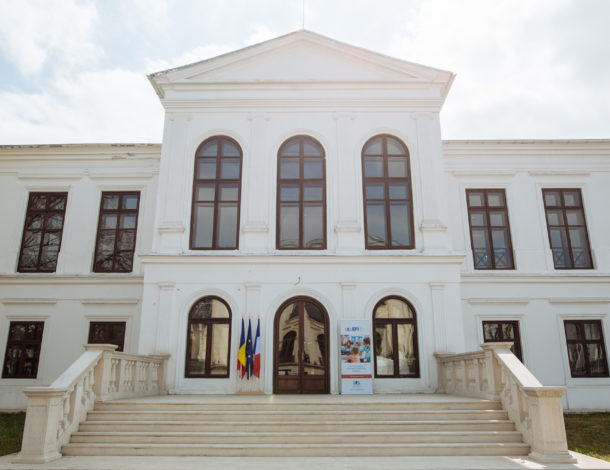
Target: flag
(257, 350)
(249, 358)
(241, 354)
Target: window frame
(107, 325)
(117, 230)
(22, 344)
(209, 337)
(30, 213)
(394, 322)
(585, 342)
(488, 227)
(516, 349)
(301, 182)
(565, 225)
(386, 180)
(217, 181)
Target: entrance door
(301, 347)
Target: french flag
(257, 351)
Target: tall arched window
(395, 328)
(301, 195)
(388, 205)
(208, 339)
(216, 195)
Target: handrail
(496, 373)
(99, 374)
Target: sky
(74, 71)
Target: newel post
(103, 370)
(162, 372)
(492, 368)
(44, 411)
(548, 430)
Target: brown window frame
(107, 325)
(586, 342)
(386, 180)
(488, 227)
(217, 181)
(22, 344)
(209, 333)
(32, 212)
(516, 347)
(301, 182)
(394, 322)
(117, 232)
(563, 208)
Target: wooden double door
(301, 347)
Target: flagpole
(258, 317)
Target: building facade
(304, 181)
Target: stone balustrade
(99, 374)
(496, 373)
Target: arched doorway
(301, 347)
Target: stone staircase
(401, 425)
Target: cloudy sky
(75, 70)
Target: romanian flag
(249, 358)
(257, 350)
(241, 354)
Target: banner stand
(355, 349)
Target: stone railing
(99, 374)
(495, 373)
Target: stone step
(296, 416)
(305, 426)
(297, 406)
(308, 450)
(257, 437)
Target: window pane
(204, 225)
(398, 190)
(592, 331)
(130, 201)
(196, 360)
(491, 332)
(38, 201)
(220, 349)
(289, 168)
(229, 192)
(312, 192)
(205, 191)
(399, 221)
(508, 330)
(572, 331)
(394, 147)
(375, 223)
(407, 360)
(55, 221)
(501, 247)
(554, 217)
(576, 355)
(110, 201)
(35, 222)
(227, 225)
(497, 219)
(375, 190)
(128, 221)
(290, 148)
(206, 169)
(290, 192)
(288, 340)
(127, 240)
(313, 168)
(384, 351)
(229, 168)
(397, 167)
(571, 198)
(552, 198)
(105, 250)
(373, 167)
(56, 202)
(575, 217)
(393, 308)
(495, 199)
(109, 221)
(313, 223)
(50, 250)
(289, 225)
(374, 147)
(477, 219)
(210, 149)
(597, 359)
(311, 148)
(480, 245)
(229, 149)
(476, 199)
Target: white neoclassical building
(305, 181)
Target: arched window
(216, 195)
(301, 195)
(388, 205)
(208, 339)
(395, 329)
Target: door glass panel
(313, 344)
(288, 341)
(384, 350)
(198, 336)
(406, 349)
(219, 350)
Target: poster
(356, 365)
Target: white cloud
(154, 12)
(32, 32)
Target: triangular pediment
(300, 57)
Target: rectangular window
(107, 332)
(22, 350)
(489, 229)
(565, 220)
(586, 348)
(499, 331)
(116, 232)
(44, 223)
